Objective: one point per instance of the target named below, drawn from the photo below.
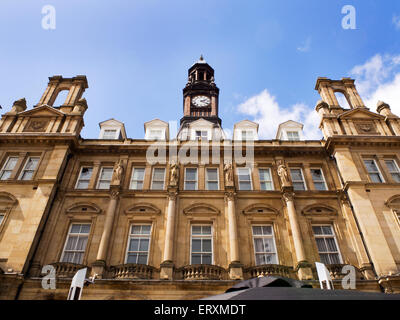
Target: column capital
(114, 194)
(230, 196)
(288, 196)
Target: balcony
(268, 270)
(202, 272)
(335, 271)
(132, 271)
(67, 270)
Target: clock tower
(200, 95)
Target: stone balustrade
(202, 272)
(268, 270)
(67, 270)
(132, 271)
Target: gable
(319, 210)
(42, 111)
(360, 113)
(156, 122)
(84, 207)
(142, 209)
(201, 123)
(246, 124)
(260, 209)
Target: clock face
(201, 101)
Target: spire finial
(201, 57)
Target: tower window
(8, 168)
(393, 169)
(293, 136)
(373, 171)
(29, 169)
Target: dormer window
(110, 134)
(247, 135)
(201, 135)
(293, 135)
(155, 134)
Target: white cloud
(266, 111)
(305, 46)
(396, 21)
(379, 79)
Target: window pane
(5, 175)
(320, 186)
(104, 185)
(327, 230)
(296, 175)
(86, 173)
(244, 174)
(299, 186)
(317, 230)
(321, 245)
(11, 162)
(370, 165)
(257, 230)
(191, 174)
(27, 175)
(330, 242)
(158, 174)
(196, 259)
(375, 177)
(207, 259)
(146, 229)
(158, 185)
(196, 229)
(245, 186)
(81, 244)
(144, 245)
(83, 185)
(196, 245)
(206, 229)
(132, 258)
(85, 228)
(267, 230)
(134, 245)
(334, 258)
(142, 259)
(106, 173)
(391, 166)
(76, 228)
(31, 164)
(190, 185)
(212, 174)
(265, 175)
(212, 185)
(71, 242)
(136, 229)
(396, 177)
(206, 245)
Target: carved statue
(283, 175)
(174, 174)
(228, 174)
(119, 171)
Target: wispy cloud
(305, 46)
(265, 110)
(379, 79)
(396, 21)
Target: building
(185, 217)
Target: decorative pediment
(42, 111)
(201, 209)
(201, 123)
(360, 113)
(143, 209)
(37, 124)
(84, 207)
(319, 210)
(394, 202)
(260, 209)
(7, 198)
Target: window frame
(291, 132)
(377, 167)
(197, 179)
(3, 169)
(297, 181)
(250, 176)
(325, 236)
(134, 168)
(79, 176)
(392, 172)
(130, 235)
(323, 178)
(2, 217)
(99, 178)
(21, 174)
(261, 181)
(67, 238)
(264, 236)
(246, 135)
(110, 130)
(201, 137)
(152, 179)
(206, 178)
(211, 235)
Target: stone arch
(142, 209)
(393, 202)
(201, 209)
(7, 198)
(319, 209)
(84, 207)
(260, 208)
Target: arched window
(342, 100)
(61, 98)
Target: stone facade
(46, 189)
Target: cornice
(363, 141)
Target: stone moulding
(142, 209)
(393, 202)
(84, 207)
(201, 209)
(260, 209)
(7, 198)
(319, 210)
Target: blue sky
(267, 55)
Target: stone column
(99, 265)
(167, 266)
(235, 267)
(303, 268)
